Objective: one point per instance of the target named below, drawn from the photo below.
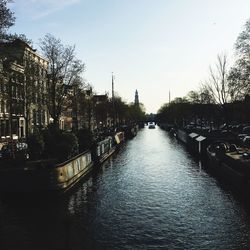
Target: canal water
(151, 195)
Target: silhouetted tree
(218, 85)
(7, 18)
(64, 67)
(22, 37)
(239, 76)
(193, 97)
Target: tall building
(136, 98)
(12, 119)
(23, 89)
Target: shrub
(35, 145)
(60, 144)
(67, 146)
(85, 139)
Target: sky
(154, 46)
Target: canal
(151, 195)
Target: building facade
(23, 78)
(11, 100)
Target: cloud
(38, 9)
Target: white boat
(151, 125)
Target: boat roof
(200, 138)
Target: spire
(136, 98)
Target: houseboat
(23, 175)
(105, 148)
(44, 175)
(130, 131)
(230, 163)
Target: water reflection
(151, 195)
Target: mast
(113, 101)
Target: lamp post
(88, 94)
(75, 108)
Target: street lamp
(88, 95)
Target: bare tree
(218, 85)
(64, 67)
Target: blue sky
(150, 45)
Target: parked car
(246, 141)
(18, 150)
(245, 132)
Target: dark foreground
(151, 195)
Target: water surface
(151, 195)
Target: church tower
(136, 98)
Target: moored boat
(105, 148)
(22, 175)
(44, 175)
(119, 138)
(130, 131)
(182, 135)
(230, 163)
(151, 125)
